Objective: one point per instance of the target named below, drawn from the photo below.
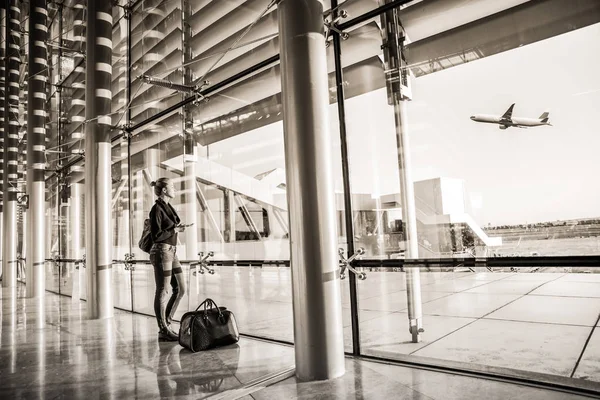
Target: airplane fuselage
(516, 122)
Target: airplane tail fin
(544, 116)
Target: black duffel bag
(208, 327)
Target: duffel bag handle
(209, 303)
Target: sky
(511, 176)
(516, 175)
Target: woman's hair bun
(153, 183)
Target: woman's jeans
(167, 269)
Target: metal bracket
(331, 25)
(415, 328)
(129, 266)
(124, 129)
(198, 97)
(81, 261)
(127, 11)
(194, 90)
(345, 264)
(55, 260)
(202, 265)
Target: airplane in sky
(507, 120)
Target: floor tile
(575, 289)
(507, 287)
(486, 276)
(471, 305)
(454, 286)
(535, 276)
(549, 309)
(581, 277)
(589, 366)
(358, 382)
(455, 387)
(547, 348)
(396, 301)
(389, 335)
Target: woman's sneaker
(167, 335)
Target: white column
(318, 330)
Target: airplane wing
(508, 114)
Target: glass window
(460, 148)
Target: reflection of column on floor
(398, 89)
(75, 242)
(318, 328)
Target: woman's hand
(180, 228)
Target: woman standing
(165, 224)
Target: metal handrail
(224, 263)
(517, 262)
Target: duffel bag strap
(210, 303)
(205, 303)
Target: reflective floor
(70, 357)
(499, 319)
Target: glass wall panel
(151, 152)
(483, 187)
(53, 233)
(121, 226)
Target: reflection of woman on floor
(169, 375)
(165, 224)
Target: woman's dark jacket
(163, 220)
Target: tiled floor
(120, 358)
(527, 321)
(71, 357)
(367, 380)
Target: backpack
(146, 242)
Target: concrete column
(98, 184)
(318, 332)
(36, 147)
(11, 139)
